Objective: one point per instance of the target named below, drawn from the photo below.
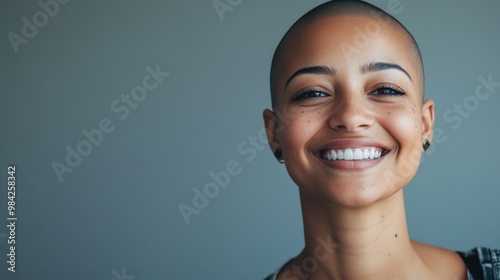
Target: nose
(351, 113)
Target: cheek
(296, 135)
(299, 130)
(404, 123)
(406, 128)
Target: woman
(350, 123)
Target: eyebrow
(380, 66)
(321, 70)
(324, 70)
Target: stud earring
(426, 145)
(278, 153)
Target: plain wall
(119, 207)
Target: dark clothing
(482, 263)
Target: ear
(427, 120)
(271, 124)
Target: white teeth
(352, 154)
(348, 154)
(333, 155)
(372, 153)
(358, 154)
(340, 155)
(366, 153)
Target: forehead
(344, 42)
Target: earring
(426, 145)
(278, 153)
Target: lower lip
(351, 164)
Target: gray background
(119, 207)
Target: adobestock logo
(121, 276)
(122, 107)
(201, 199)
(248, 149)
(29, 30)
(485, 89)
(310, 264)
(372, 29)
(223, 6)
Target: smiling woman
(356, 125)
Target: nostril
(348, 118)
(352, 122)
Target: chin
(353, 195)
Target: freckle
(308, 121)
(389, 254)
(302, 112)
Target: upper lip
(351, 143)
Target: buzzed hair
(350, 8)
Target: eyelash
(387, 90)
(305, 94)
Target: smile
(352, 154)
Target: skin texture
(358, 205)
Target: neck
(367, 243)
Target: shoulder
(478, 263)
(445, 263)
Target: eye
(388, 90)
(308, 94)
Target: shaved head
(344, 8)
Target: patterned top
(482, 264)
